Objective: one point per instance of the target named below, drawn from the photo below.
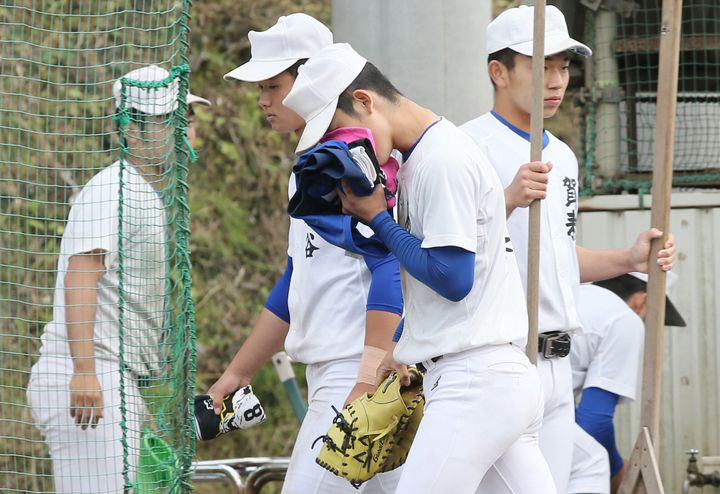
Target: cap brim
(194, 99)
(553, 46)
(256, 71)
(672, 316)
(316, 127)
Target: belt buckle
(421, 367)
(555, 344)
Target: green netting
(620, 102)
(124, 173)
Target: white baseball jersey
(93, 224)
(507, 151)
(609, 353)
(449, 195)
(327, 297)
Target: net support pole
(536, 129)
(643, 472)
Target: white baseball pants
(482, 415)
(556, 433)
(85, 461)
(590, 473)
(329, 384)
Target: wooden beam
(652, 45)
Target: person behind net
(74, 392)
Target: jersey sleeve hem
(624, 391)
(450, 241)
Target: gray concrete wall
(432, 50)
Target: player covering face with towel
(332, 311)
(465, 316)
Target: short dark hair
(369, 78)
(506, 56)
(624, 286)
(293, 69)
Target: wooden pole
(664, 148)
(643, 472)
(536, 129)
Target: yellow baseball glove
(373, 434)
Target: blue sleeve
(399, 330)
(450, 271)
(385, 292)
(595, 415)
(277, 301)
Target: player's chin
(549, 111)
(280, 128)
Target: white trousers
(483, 411)
(85, 461)
(590, 473)
(329, 384)
(556, 433)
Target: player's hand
(227, 384)
(530, 183)
(364, 208)
(358, 390)
(640, 251)
(616, 479)
(388, 365)
(86, 400)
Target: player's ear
(363, 101)
(498, 73)
(637, 301)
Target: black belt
(422, 368)
(554, 344)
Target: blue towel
(318, 173)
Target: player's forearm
(267, 338)
(598, 265)
(80, 312)
(510, 203)
(379, 328)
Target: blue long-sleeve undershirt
(399, 330)
(385, 293)
(450, 270)
(277, 301)
(595, 415)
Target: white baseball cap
(319, 83)
(292, 38)
(193, 99)
(156, 101)
(672, 315)
(514, 29)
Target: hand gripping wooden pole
(643, 474)
(536, 129)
